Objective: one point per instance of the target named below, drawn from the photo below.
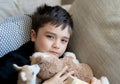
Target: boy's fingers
(62, 72)
(64, 77)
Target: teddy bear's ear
(38, 60)
(70, 54)
(18, 68)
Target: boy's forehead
(56, 29)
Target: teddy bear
(50, 65)
(27, 74)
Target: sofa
(95, 40)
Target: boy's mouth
(55, 53)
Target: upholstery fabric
(10, 8)
(96, 36)
(14, 32)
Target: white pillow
(10, 8)
(29, 6)
(14, 32)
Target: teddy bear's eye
(32, 73)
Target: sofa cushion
(14, 32)
(10, 8)
(96, 36)
(29, 8)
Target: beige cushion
(29, 6)
(10, 8)
(96, 38)
(67, 7)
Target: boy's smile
(51, 39)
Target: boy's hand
(59, 78)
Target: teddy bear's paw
(104, 80)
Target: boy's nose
(56, 45)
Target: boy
(51, 31)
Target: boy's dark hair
(55, 15)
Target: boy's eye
(50, 36)
(64, 41)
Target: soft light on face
(51, 39)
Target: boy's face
(51, 39)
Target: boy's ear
(33, 35)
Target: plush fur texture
(50, 65)
(27, 73)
